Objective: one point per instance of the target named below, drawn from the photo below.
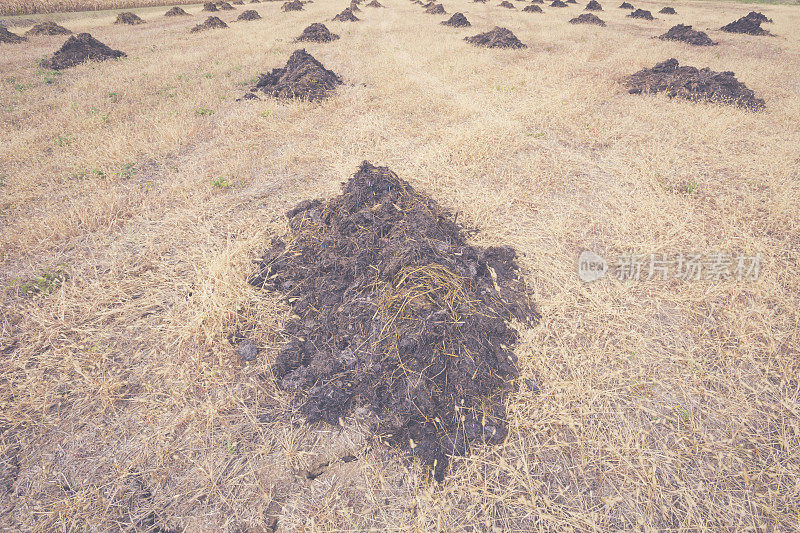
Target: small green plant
(691, 187)
(45, 283)
(204, 112)
(535, 135)
(64, 140)
(208, 75)
(220, 183)
(22, 87)
(266, 114)
(127, 171)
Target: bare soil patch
(394, 311)
(693, 84)
(79, 49)
(303, 77)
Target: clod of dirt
(594, 5)
(79, 49)
(668, 11)
(558, 3)
(506, 4)
(294, 5)
(436, 9)
(48, 28)
(625, 5)
(317, 33)
(458, 20)
(396, 313)
(755, 15)
(479, 1)
(642, 14)
(10, 38)
(303, 77)
(374, 3)
(346, 16)
(588, 18)
(685, 33)
(693, 84)
(249, 14)
(497, 38)
(210, 24)
(532, 9)
(747, 25)
(210, 6)
(224, 6)
(128, 18)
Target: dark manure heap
(506, 4)
(176, 12)
(79, 49)
(458, 20)
(686, 34)
(374, 3)
(303, 77)
(294, 5)
(435, 9)
(210, 24)
(693, 84)
(748, 25)
(668, 11)
(625, 5)
(9, 37)
(128, 18)
(594, 5)
(760, 17)
(496, 38)
(48, 28)
(249, 14)
(558, 3)
(346, 16)
(394, 311)
(317, 33)
(224, 6)
(210, 6)
(588, 18)
(642, 14)
(354, 7)
(532, 9)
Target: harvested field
(139, 370)
(587, 18)
(458, 20)
(211, 23)
(79, 49)
(496, 38)
(128, 18)
(693, 84)
(317, 33)
(48, 28)
(686, 34)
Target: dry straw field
(136, 194)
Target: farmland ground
(662, 404)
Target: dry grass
(30, 7)
(663, 405)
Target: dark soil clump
(249, 14)
(176, 12)
(294, 5)
(458, 20)
(686, 34)
(497, 38)
(693, 84)
(210, 6)
(668, 11)
(225, 6)
(346, 16)
(642, 14)
(395, 312)
(588, 18)
(317, 33)
(760, 17)
(558, 3)
(128, 18)
(210, 24)
(374, 3)
(48, 28)
(9, 37)
(79, 49)
(506, 4)
(303, 77)
(746, 25)
(532, 9)
(625, 5)
(594, 5)
(436, 9)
